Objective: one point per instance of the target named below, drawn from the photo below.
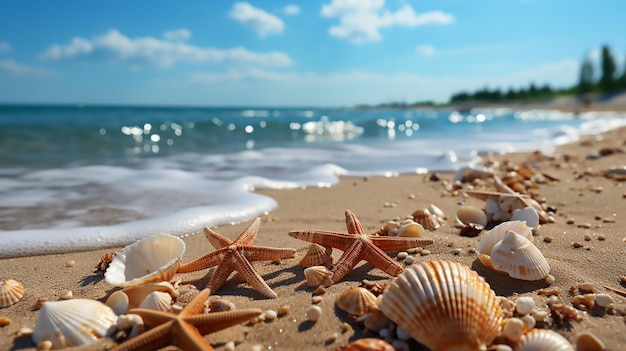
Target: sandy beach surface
(585, 244)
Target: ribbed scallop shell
(426, 219)
(519, 258)
(11, 291)
(356, 301)
(154, 258)
(317, 255)
(157, 300)
(543, 340)
(73, 322)
(410, 229)
(496, 234)
(471, 214)
(316, 275)
(443, 305)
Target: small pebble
(414, 250)
(608, 220)
(549, 279)
(547, 239)
(524, 305)
(270, 315)
(316, 299)
(570, 221)
(584, 226)
(540, 315)
(402, 255)
(4, 321)
(345, 327)
(577, 244)
(513, 329)
(66, 295)
(283, 310)
(409, 260)
(601, 237)
(585, 287)
(22, 332)
(604, 300)
(529, 322)
(45, 345)
(257, 347)
(587, 237)
(425, 252)
(314, 313)
(457, 251)
(70, 263)
(552, 299)
(332, 338)
(229, 346)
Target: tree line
(608, 81)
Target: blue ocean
(88, 177)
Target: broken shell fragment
(519, 258)
(356, 301)
(154, 258)
(11, 291)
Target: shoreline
(581, 194)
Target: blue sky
(290, 53)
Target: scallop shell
(519, 258)
(316, 275)
(426, 219)
(317, 255)
(356, 301)
(471, 214)
(543, 340)
(496, 234)
(154, 258)
(136, 294)
(157, 300)
(11, 291)
(443, 305)
(410, 229)
(369, 344)
(73, 322)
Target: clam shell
(356, 301)
(73, 322)
(118, 301)
(519, 258)
(443, 305)
(471, 214)
(424, 217)
(11, 291)
(317, 255)
(157, 300)
(543, 340)
(154, 258)
(496, 234)
(410, 229)
(316, 275)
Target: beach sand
(594, 204)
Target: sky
(295, 53)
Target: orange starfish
(358, 246)
(236, 255)
(185, 329)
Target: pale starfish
(185, 329)
(236, 255)
(357, 246)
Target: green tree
(607, 79)
(585, 83)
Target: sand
(581, 195)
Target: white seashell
(390, 229)
(513, 329)
(157, 300)
(136, 294)
(154, 258)
(356, 301)
(437, 212)
(73, 322)
(471, 214)
(11, 291)
(519, 258)
(317, 255)
(528, 215)
(314, 313)
(543, 340)
(496, 234)
(316, 275)
(604, 300)
(589, 342)
(443, 305)
(428, 220)
(524, 305)
(132, 322)
(118, 301)
(411, 229)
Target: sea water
(89, 177)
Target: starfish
(357, 246)
(185, 329)
(236, 255)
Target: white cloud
(264, 23)
(426, 50)
(5, 47)
(360, 20)
(24, 70)
(177, 35)
(291, 10)
(138, 52)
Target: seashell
(528, 215)
(11, 291)
(437, 212)
(157, 300)
(154, 258)
(356, 301)
(316, 275)
(410, 229)
(374, 320)
(424, 217)
(471, 214)
(390, 229)
(589, 342)
(118, 301)
(221, 305)
(496, 234)
(73, 322)
(317, 255)
(519, 258)
(369, 344)
(136, 294)
(443, 305)
(543, 340)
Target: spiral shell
(154, 258)
(543, 340)
(11, 291)
(73, 322)
(443, 305)
(317, 255)
(356, 301)
(519, 258)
